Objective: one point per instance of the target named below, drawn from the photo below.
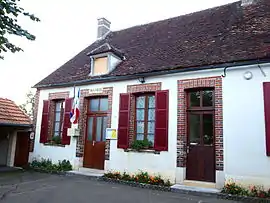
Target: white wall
(244, 126)
(244, 130)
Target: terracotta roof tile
(10, 113)
(225, 34)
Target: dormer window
(104, 59)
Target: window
(97, 119)
(58, 118)
(200, 111)
(145, 117)
(100, 66)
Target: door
(22, 149)
(4, 142)
(95, 137)
(200, 143)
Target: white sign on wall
(95, 90)
(111, 134)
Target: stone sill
(151, 151)
(54, 145)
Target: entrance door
(200, 145)
(3, 148)
(22, 149)
(95, 137)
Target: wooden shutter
(44, 122)
(266, 92)
(161, 123)
(66, 124)
(123, 123)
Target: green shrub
(47, 165)
(141, 144)
(254, 191)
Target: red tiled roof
(225, 34)
(11, 114)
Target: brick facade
(84, 94)
(32, 142)
(183, 85)
(52, 97)
(151, 87)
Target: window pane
(207, 98)
(150, 138)
(140, 102)
(151, 127)
(98, 129)
(151, 101)
(104, 126)
(194, 128)
(56, 134)
(140, 127)
(194, 99)
(58, 106)
(57, 116)
(94, 104)
(208, 129)
(140, 115)
(56, 125)
(103, 104)
(140, 136)
(90, 129)
(151, 114)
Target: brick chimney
(103, 28)
(248, 2)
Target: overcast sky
(67, 27)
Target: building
(15, 128)
(195, 86)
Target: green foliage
(47, 165)
(254, 191)
(9, 13)
(141, 144)
(141, 177)
(56, 140)
(29, 105)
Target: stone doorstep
(195, 190)
(87, 172)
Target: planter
(243, 198)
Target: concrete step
(194, 190)
(87, 172)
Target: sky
(69, 26)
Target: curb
(158, 187)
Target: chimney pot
(103, 27)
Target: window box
(151, 151)
(53, 144)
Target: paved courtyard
(43, 188)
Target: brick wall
(216, 83)
(151, 87)
(84, 94)
(37, 94)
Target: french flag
(75, 112)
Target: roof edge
(16, 125)
(167, 71)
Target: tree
(28, 106)
(9, 13)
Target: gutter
(154, 73)
(15, 125)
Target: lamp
(141, 80)
(248, 75)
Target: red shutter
(123, 123)
(266, 92)
(67, 124)
(44, 122)
(161, 124)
